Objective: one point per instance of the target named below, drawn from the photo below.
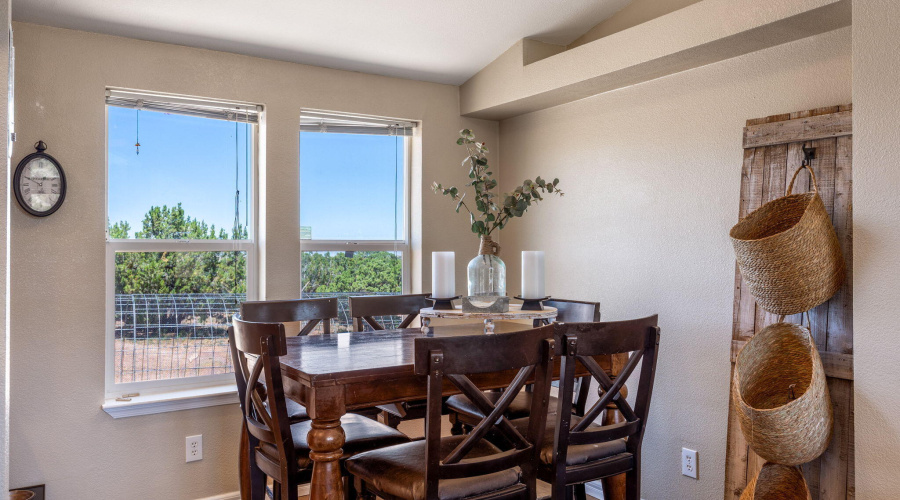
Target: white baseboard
(594, 489)
(303, 491)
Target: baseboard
(594, 489)
(302, 491)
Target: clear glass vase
(487, 272)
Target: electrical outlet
(193, 448)
(689, 463)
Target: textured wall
(636, 12)
(4, 253)
(60, 436)
(876, 238)
(652, 179)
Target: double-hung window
(181, 237)
(354, 206)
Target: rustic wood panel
(798, 129)
(773, 151)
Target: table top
(322, 360)
(515, 312)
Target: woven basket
(788, 252)
(777, 482)
(782, 397)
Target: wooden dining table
(333, 374)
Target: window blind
(317, 121)
(220, 110)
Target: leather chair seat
(577, 454)
(399, 471)
(519, 408)
(296, 412)
(361, 434)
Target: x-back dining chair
(575, 449)
(464, 414)
(467, 467)
(312, 311)
(279, 446)
(365, 311)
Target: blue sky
(348, 187)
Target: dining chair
(365, 311)
(575, 450)
(277, 446)
(464, 414)
(312, 311)
(467, 467)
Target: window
(354, 203)
(181, 240)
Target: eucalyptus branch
(491, 216)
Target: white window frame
(250, 246)
(401, 246)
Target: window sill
(164, 402)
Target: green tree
(357, 272)
(179, 272)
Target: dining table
(340, 372)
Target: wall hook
(809, 154)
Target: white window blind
(220, 110)
(318, 121)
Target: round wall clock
(39, 183)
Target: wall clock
(39, 183)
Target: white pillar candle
(443, 274)
(533, 275)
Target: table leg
(488, 326)
(325, 439)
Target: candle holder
(531, 304)
(443, 304)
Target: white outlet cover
(689, 464)
(193, 448)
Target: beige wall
(4, 249)
(636, 12)
(876, 212)
(60, 436)
(651, 175)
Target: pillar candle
(533, 275)
(443, 274)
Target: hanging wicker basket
(782, 396)
(777, 482)
(788, 252)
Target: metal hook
(809, 154)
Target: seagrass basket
(788, 252)
(777, 482)
(782, 396)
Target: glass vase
(487, 272)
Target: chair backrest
(530, 354)
(577, 311)
(264, 406)
(365, 308)
(581, 342)
(313, 311)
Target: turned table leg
(613, 487)
(325, 438)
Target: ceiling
(433, 40)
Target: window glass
(351, 186)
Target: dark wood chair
(366, 308)
(365, 311)
(312, 311)
(467, 467)
(276, 446)
(464, 414)
(575, 449)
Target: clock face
(40, 185)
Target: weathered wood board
(773, 150)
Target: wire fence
(165, 336)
